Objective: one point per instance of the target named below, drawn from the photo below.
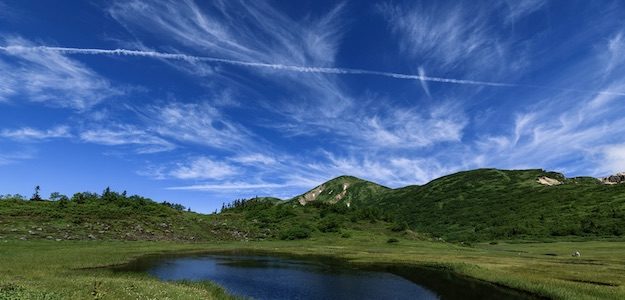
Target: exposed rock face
(340, 196)
(544, 180)
(316, 192)
(614, 179)
(311, 196)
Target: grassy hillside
(478, 205)
(109, 216)
(115, 216)
(344, 190)
(499, 204)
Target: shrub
(401, 226)
(330, 224)
(392, 241)
(295, 233)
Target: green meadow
(497, 226)
(78, 269)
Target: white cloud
(407, 128)
(548, 136)
(7, 158)
(615, 51)
(518, 9)
(253, 32)
(202, 168)
(613, 159)
(254, 159)
(50, 78)
(230, 186)
(28, 133)
(450, 36)
(127, 135)
(198, 123)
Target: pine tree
(36, 196)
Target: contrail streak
(291, 68)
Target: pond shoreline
(407, 270)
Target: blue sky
(215, 100)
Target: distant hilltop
(614, 179)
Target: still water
(270, 277)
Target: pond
(274, 277)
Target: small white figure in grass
(576, 254)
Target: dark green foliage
(36, 196)
(399, 226)
(176, 206)
(111, 215)
(253, 204)
(358, 192)
(15, 197)
(492, 204)
(479, 205)
(296, 232)
(331, 223)
(392, 241)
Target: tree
(56, 196)
(63, 201)
(36, 196)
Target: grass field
(72, 269)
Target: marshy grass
(77, 269)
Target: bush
(295, 233)
(330, 224)
(401, 226)
(392, 241)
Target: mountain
(477, 205)
(345, 190)
(509, 204)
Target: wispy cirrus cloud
(253, 159)
(197, 123)
(459, 36)
(584, 138)
(616, 52)
(518, 9)
(449, 35)
(50, 78)
(612, 159)
(120, 135)
(32, 134)
(230, 186)
(409, 128)
(256, 33)
(7, 158)
(202, 168)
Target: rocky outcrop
(544, 180)
(314, 194)
(342, 194)
(311, 196)
(614, 179)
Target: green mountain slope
(109, 216)
(499, 204)
(344, 190)
(478, 205)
